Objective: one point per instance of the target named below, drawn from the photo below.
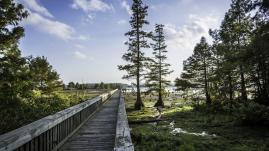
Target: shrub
(253, 114)
(186, 147)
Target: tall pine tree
(197, 70)
(241, 27)
(136, 41)
(158, 68)
(14, 79)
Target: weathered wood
(123, 141)
(16, 138)
(98, 132)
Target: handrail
(123, 141)
(49, 132)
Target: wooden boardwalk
(98, 132)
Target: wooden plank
(98, 133)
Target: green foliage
(158, 68)
(28, 86)
(10, 31)
(186, 147)
(83, 86)
(38, 106)
(233, 71)
(71, 85)
(43, 76)
(137, 39)
(14, 78)
(252, 114)
(197, 70)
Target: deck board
(98, 132)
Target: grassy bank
(185, 129)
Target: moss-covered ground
(202, 131)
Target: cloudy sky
(83, 39)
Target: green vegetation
(231, 75)
(41, 105)
(97, 86)
(226, 85)
(29, 86)
(157, 66)
(137, 40)
(221, 130)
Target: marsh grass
(230, 136)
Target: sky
(84, 39)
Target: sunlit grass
(158, 136)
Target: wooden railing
(50, 132)
(123, 141)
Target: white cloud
(91, 5)
(80, 55)
(182, 39)
(34, 6)
(186, 2)
(79, 46)
(122, 22)
(83, 38)
(185, 37)
(52, 27)
(90, 16)
(126, 6)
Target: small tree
(196, 70)
(44, 77)
(158, 68)
(101, 85)
(136, 41)
(71, 85)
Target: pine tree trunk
(259, 85)
(243, 85)
(230, 90)
(265, 96)
(160, 100)
(230, 87)
(207, 95)
(138, 104)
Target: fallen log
(144, 121)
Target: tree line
(82, 86)
(233, 71)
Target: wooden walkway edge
(98, 133)
(99, 124)
(123, 141)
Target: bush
(253, 114)
(186, 147)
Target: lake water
(144, 89)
